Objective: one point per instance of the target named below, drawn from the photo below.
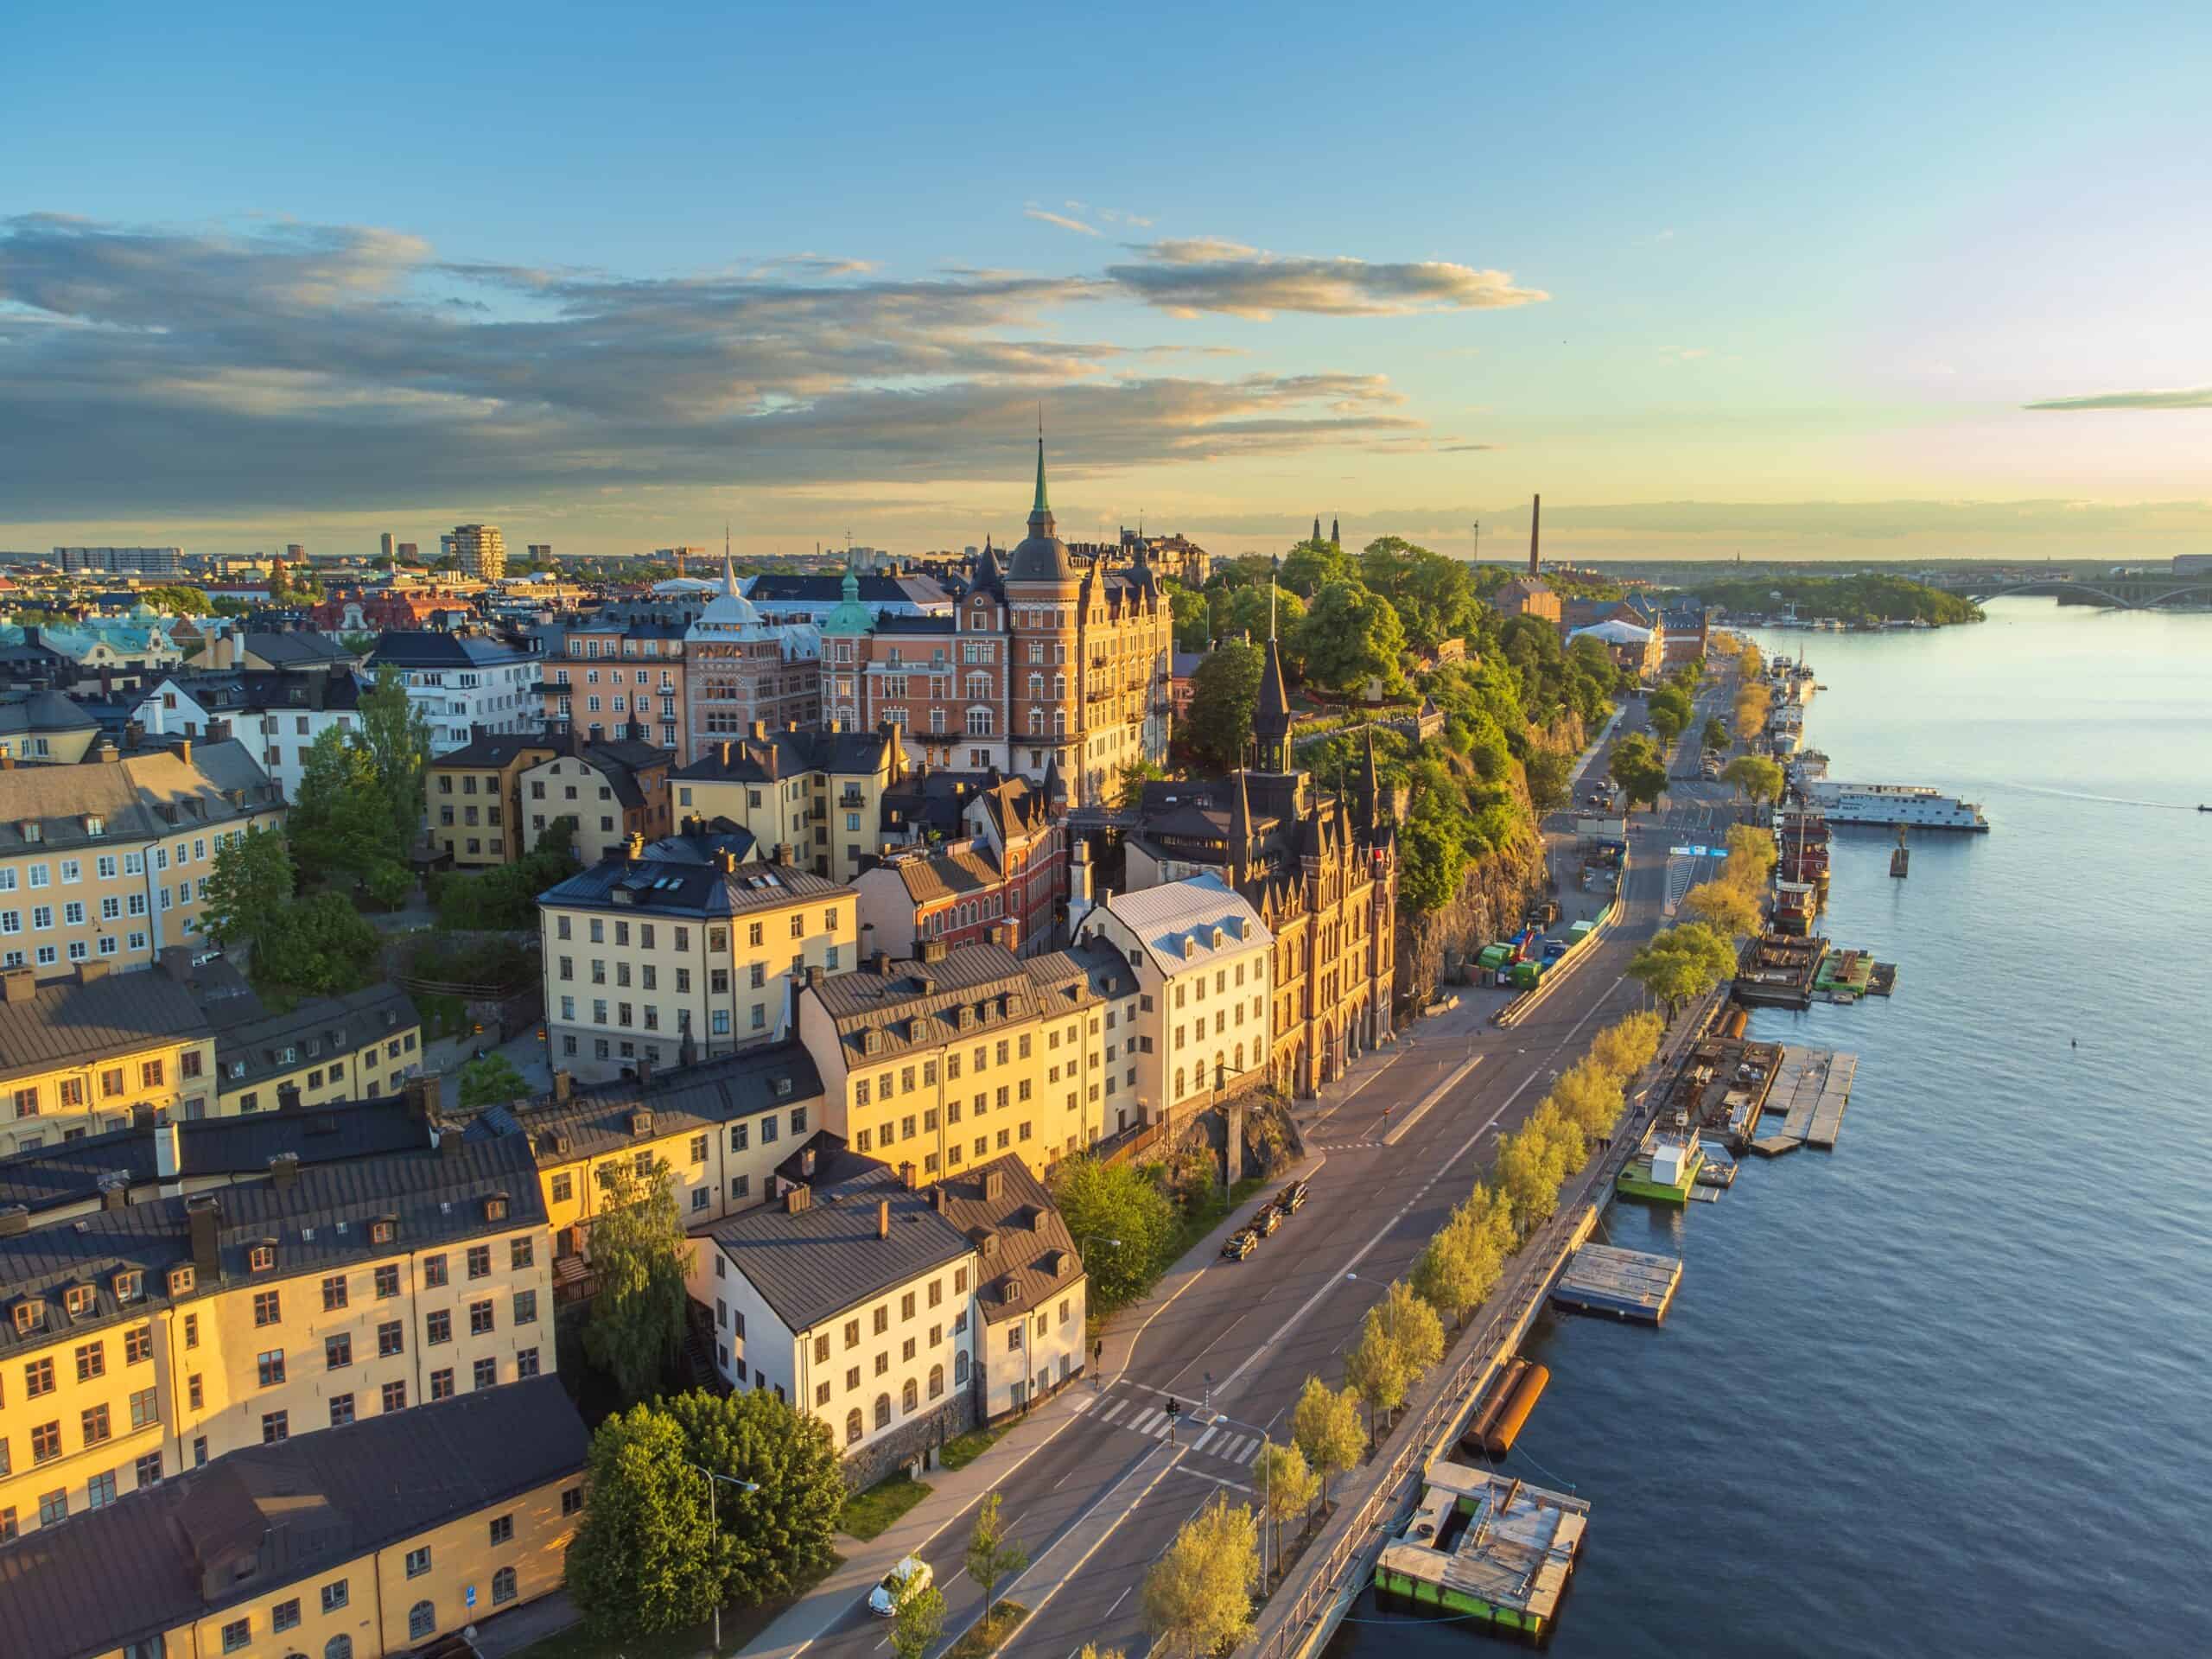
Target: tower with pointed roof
(739, 668)
(1336, 538)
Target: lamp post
(713, 1533)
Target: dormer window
(29, 1316)
(128, 1285)
(79, 1300)
(32, 830)
(1219, 938)
(182, 1278)
(381, 1231)
(783, 1088)
(495, 1207)
(238, 1068)
(95, 825)
(872, 1041)
(261, 1258)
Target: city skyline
(1918, 289)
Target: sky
(1884, 282)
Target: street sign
(469, 1595)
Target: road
(1098, 1503)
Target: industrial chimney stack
(1535, 524)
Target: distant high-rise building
(407, 552)
(384, 545)
(678, 556)
(482, 551)
(148, 561)
(540, 552)
(296, 552)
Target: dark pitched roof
(894, 622)
(420, 648)
(1083, 974)
(65, 1022)
(138, 798)
(931, 876)
(601, 1119)
(875, 589)
(44, 711)
(987, 979)
(488, 751)
(318, 1219)
(787, 754)
(681, 889)
(620, 761)
(1024, 1253)
(300, 646)
(250, 1050)
(143, 1566)
(812, 1264)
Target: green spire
(1041, 504)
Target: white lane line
(1428, 1101)
(1200, 1444)
(1144, 1421)
(1115, 1410)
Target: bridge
(2119, 593)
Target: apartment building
(276, 716)
(480, 550)
(1202, 956)
(98, 1052)
(1007, 867)
(153, 1337)
(608, 791)
(943, 1060)
(46, 729)
(474, 796)
(677, 952)
(463, 683)
(740, 667)
(108, 862)
(820, 794)
(372, 1540)
(1032, 1293)
(613, 677)
(358, 1046)
(851, 1301)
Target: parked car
(1291, 1199)
(900, 1585)
(1240, 1244)
(1267, 1221)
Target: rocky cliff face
(1493, 896)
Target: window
(335, 1596)
(479, 1261)
(193, 1392)
(418, 1562)
(275, 1426)
(92, 1357)
(485, 1374)
(236, 1633)
(572, 1500)
(438, 1327)
(563, 1189)
(145, 1407)
(338, 1352)
(285, 1615)
(503, 1586)
(503, 1531)
(38, 1378)
(341, 1410)
(271, 1365)
(525, 1364)
(395, 1397)
(96, 1424)
(442, 1384)
(525, 1307)
(937, 1381)
(267, 1309)
(53, 1507)
(148, 1469)
(434, 1271)
(387, 1279)
(883, 1411)
(422, 1620)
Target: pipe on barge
(1513, 1415)
(1477, 1438)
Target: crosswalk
(1232, 1443)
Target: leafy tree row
(1861, 598)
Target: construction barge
(1664, 1169)
(1778, 971)
(1487, 1546)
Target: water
(1942, 1391)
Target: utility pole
(1478, 541)
(714, 1534)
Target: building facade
(608, 791)
(480, 550)
(278, 716)
(474, 799)
(464, 683)
(820, 794)
(613, 678)
(1007, 874)
(739, 668)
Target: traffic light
(1174, 1408)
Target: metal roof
(64, 1022)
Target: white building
(276, 717)
(1202, 957)
(464, 683)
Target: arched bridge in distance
(2126, 593)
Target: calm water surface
(1946, 1390)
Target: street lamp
(714, 1532)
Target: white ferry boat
(1884, 804)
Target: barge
(1663, 1171)
(1486, 1546)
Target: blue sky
(1709, 278)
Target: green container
(1525, 975)
(1494, 956)
(1580, 932)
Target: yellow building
(150, 1338)
(357, 1046)
(945, 1060)
(370, 1541)
(819, 793)
(474, 796)
(46, 729)
(677, 951)
(108, 862)
(99, 1051)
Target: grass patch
(740, 1626)
(867, 1514)
(986, 1634)
(964, 1449)
(1203, 1216)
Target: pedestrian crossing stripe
(1213, 1440)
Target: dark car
(1268, 1220)
(1291, 1199)
(1241, 1244)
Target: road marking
(1115, 1410)
(1144, 1420)
(1200, 1444)
(1429, 1100)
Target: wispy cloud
(1189, 276)
(2193, 397)
(1463, 448)
(328, 368)
(1048, 217)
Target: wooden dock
(1773, 1146)
(1627, 1284)
(1486, 1547)
(1811, 1089)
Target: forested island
(1857, 599)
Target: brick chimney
(883, 1218)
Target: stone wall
(894, 1450)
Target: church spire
(1335, 538)
(1271, 719)
(1317, 527)
(1374, 788)
(730, 570)
(1240, 834)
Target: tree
(1638, 769)
(177, 601)
(339, 824)
(491, 1080)
(1459, 1268)
(1129, 788)
(1753, 775)
(1193, 613)
(1551, 778)
(1224, 694)
(1311, 566)
(1105, 1201)
(1680, 964)
(644, 1559)
(991, 1554)
(397, 737)
(1626, 1047)
(1725, 906)
(1198, 1597)
(1588, 1096)
(1376, 1370)
(1751, 856)
(358, 644)
(1349, 637)
(1250, 611)
(250, 889)
(918, 1624)
(321, 947)
(1285, 1485)
(1716, 735)
(1325, 1427)
(1529, 1170)
(784, 1535)
(639, 1258)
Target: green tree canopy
(1224, 693)
(397, 734)
(339, 825)
(1101, 1202)
(491, 1081)
(1715, 735)
(1376, 1369)
(1529, 1170)
(1349, 637)
(1193, 614)
(250, 887)
(1636, 765)
(1680, 964)
(1311, 566)
(321, 947)
(1285, 1485)
(1723, 906)
(1753, 775)
(639, 1258)
(992, 1555)
(1244, 610)
(643, 1559)
(1197, 1598)
(784, 1535)
(177, 601)
(919, 1622)
(1325, 1425)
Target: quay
(1627, 1284)
(1777, 971)
(1487, 1546)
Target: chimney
(883, 1217)
(1535, 520)
(795, 1200)
(806, 1163)
(940, 1200)
(564, 1084)
(932, 950)
(18, 985)
(8, 761)
(109, 754)
(169, 1158)
(880, 964)
(906, 1174)
(288, 1097)
(422, 1097)
(90, 973)
(814, 977)
(284, 1170)
(725, 749)
(633, 849)
(204, 1218)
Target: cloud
(1062, 220)
(1191, 275)
(1464, 448)
(2196, 397)
(336, 368)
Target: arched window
(422, 1621)
(853, 1425)
(1240, 1051)
(910, 1396)
(338, 1647)
(960, 1367)
(1178, 1083)
(937, 1381)
(883, 1411)
(503, 1586)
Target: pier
(1811, 1091)
(1627, 1284)
(1485, 1546)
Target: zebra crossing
(1232, 1443)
